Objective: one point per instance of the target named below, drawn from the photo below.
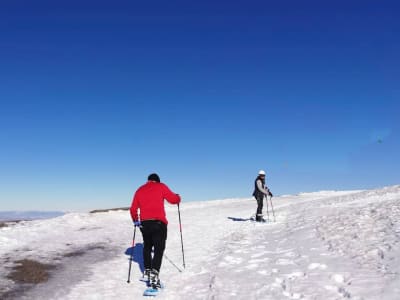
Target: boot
(154, 280)
(146, 275)
(259, 218)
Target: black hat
(154, 177)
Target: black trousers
(260, 201)
(154, 236)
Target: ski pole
(266, 197)
(270, 199)
(180, 228)
(131, 258)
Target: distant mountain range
(28, 215)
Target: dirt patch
(107, 210)
(83, 251)
(32, 279)
(30, 271)
(8, 223)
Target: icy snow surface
(323, 245)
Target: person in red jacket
(148, 212)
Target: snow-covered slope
(323, 245)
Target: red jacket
(149, 199)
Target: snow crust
(323, 245)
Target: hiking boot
(146, 274)
(154, 280)
(259, 218)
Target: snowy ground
(323, 245)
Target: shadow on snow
(239, 219)
(137, 255)
(137, 252)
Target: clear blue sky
(95, 95)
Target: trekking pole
(270, 199)
(131, 258)
(266, 197)
(180, 228)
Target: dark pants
(260, 201)
(154, 236)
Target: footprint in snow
(284, 261)
(338, 278)
(252, 266)
(292, 295)
(263, 253)
(317, 266)
(294, 275)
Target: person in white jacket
(260, 190)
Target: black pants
(154, 236)
(260, 201)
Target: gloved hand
(271, 194)
(137, 223)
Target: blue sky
(96, 95)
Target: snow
(323, 245)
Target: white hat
(261, 172)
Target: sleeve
(170, 196)
(134, 209)
(261, 189)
